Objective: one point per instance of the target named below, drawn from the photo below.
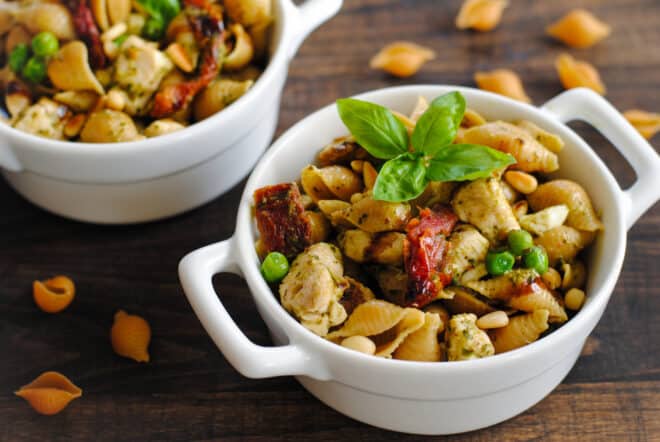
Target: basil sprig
(427, 155)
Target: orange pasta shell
(53, 295)
(50, 393)
(130, 336)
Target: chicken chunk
(465, 340)
(468, 248)
(312, 289)
(482, 203)
(45, 118)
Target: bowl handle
(586, 105)
(254, 361)
(311, 15)
(8, 160)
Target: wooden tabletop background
(189, 392)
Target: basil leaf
(461, 162)
(161, 12)
(374, 127)
(401, 179)
(438, 126)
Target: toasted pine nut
(552, 278)
(369, 175)
(115, 100)
(495, 319)
(520, 208)
(110, 49)
(114, 32)
(179, 56)
(360, 343)
(75, 124)
(574, 299)
(357, 165)
(521, 181)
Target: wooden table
(189, 391)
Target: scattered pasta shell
(130, 336)
(579, 29)
(50, 393)
(480, 15)
(53, 295)
(402, 59)
(575, 73)
(646, 123)
(504, 82)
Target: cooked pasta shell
(249, 12)
(544, 220)
(579, 29)
(581, 215)
(321, 228)
(369, 319)
(393, 283)
(218, 95)
(330, 182)
(468, 248)
(381, 248)
(472, 118)
(130, 336)
(355, 294)
(421, 106)
(531, 156)
(412, 321)
(521, 330)
(540, 298)
(549, 140)
(482, 203)
(53, 295)
(243, 50)
(474, 274)
(465, 301)
(341, 150)
(377, 216)
(48, 16)
(440, 310)
(504, 287)
(436, 192)
(50, 393)
(575, 275)
(422, 345)
(504, 82)
(69, 69)
(563, 243)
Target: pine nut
(360, 343)
(114, 32)
(574, 299)
(369, 175)
(115, 100)
(179, 56)
(75, 124)
(521, 181)
(495, 319)
(357, 165)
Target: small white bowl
(418, 397)
(160, 177)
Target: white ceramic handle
(586, 105)
(310, 15)
(254, 361)
(8, 159)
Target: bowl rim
(277, 60)
(297, 333)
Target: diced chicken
(465, 340)
(468, 248)
(482, 203)
(312, 289)
(139, 69)
(45, 118)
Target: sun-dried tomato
(281, 219)
(424, 249)
(86, 28)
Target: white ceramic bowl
(159, 177)
(418, 397)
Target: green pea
(18, 57)
(45, 44)
(536, 258)
(498, 263)
(519, 241)
(275, 267)
(34, 70)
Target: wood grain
(189, 391)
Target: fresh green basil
(161, 12)
(374, 127)
(438, 126)
(461, 162)
(401, 179)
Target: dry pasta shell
(401, 58)
(50, 393)
(481, 15)
(130, 336)
(521, 330)
(53, 295)
(581, 213)
(550, 141)
(504, 82)
(576, 73)
(646, 123)
(422, 345)
(579, 29)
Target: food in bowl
(428, 237)
(122, 70)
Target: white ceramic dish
(417, 397)
(159, 177)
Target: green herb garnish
(161, 12)
(427, 155)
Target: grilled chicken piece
(468, 248)
(465, 340)
(45, 118)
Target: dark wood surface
(189, 391)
